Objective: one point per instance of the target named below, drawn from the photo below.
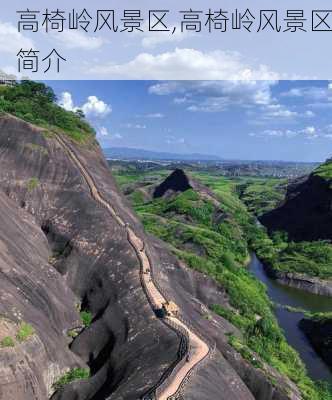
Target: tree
(80, 113)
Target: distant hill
(141, 154)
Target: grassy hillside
(258, 194)
(324, 170)
(36, 103)
(311, 258)
(262, 195)
(215, 241)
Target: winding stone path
(198, 348)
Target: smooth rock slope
(50, 217)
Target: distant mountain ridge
(142, 154)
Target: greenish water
(287, 296)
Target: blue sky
(271, 120)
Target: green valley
(212, 231)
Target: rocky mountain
(306, 213)
(319, 331)
(33, 294)
(176, 182)
(65, 245)
(180, 209)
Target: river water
(284, 295)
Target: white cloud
(254, 96)
(153, 39)
(312, 93)
(155, 115)
(273, 133)
(171, 140)
(93, 107)
(103, 133)
(133, 126)
(72, 39)
(186, 64)
(294, 92)
(276, 133)
(310, 114)
(180, 100)
(66, 102)
(309, 130)
(278, 111)
(210, 104)
(326, 132)
(215, 96)
(11, 40)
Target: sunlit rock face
(59, 248)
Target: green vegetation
(310, 258)
(215, 241)
(86, 318)
(245, 351)
(258, 194)
(24, 332)
(7, 342)
(325, 170)
(32, 184)
(320, 317)
(36, 103)
(72, 333)
(262, 195)
(71, 376)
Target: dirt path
(199, 350)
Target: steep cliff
(36, 309)
(177, 181)
(306, 213)
(319, 331)
(125, 346)
(59, 247)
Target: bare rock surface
(306, 213)
(127, 347)
(31, 291)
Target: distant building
(7, 80)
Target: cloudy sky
(235, 54)
(273, 120)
